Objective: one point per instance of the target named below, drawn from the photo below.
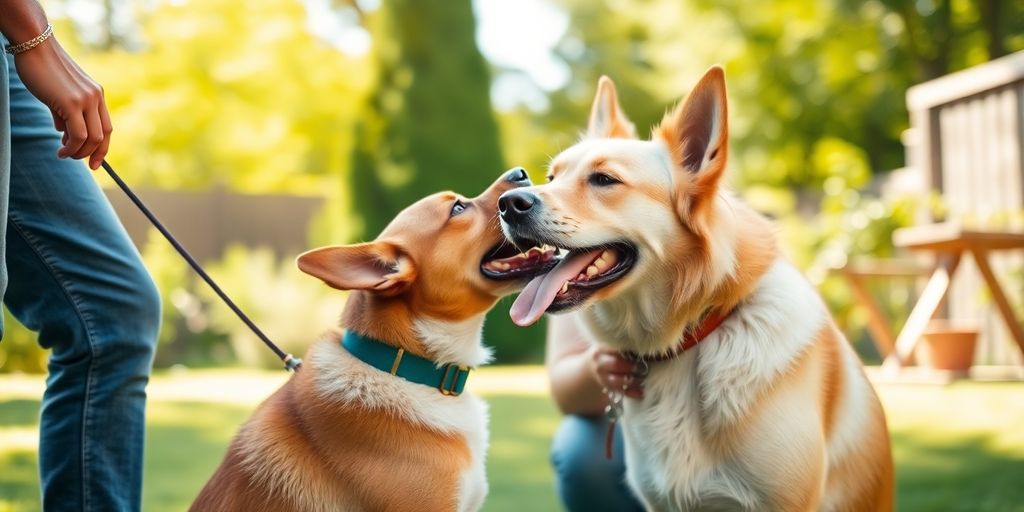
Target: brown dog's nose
(516, 204)
(518, 176)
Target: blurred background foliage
(373, 103)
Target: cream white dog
(772, 410)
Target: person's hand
(615, 373)
(75, 100)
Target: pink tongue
(541, 291)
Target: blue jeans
(73, 276)
(585, 479)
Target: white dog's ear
(696, 133)
(380, 267)
(607, 120)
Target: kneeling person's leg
(585, 479)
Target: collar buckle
(450, 386)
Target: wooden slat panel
(1019, 99)
(968, 141)
(983, 205)
(953, 123)
(982, 183)
(1008, 266)
(992, 346)
(968, 300)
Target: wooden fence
(967, 140)
(207, 222)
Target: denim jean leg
(76, 279)
(587, 481)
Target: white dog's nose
(516, 204)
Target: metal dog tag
(613, 411)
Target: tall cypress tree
(428, 124)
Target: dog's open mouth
(505, 261)
(579, 273)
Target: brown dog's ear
(607, 121)
(696, 133)
(380, 266)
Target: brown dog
(379, 422)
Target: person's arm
(48, 72)
(579, 371)
(21, 20)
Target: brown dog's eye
(457, 208)
(601, 179)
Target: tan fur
(606, 118)
(773, 410)
(318, 444)
(334, 458)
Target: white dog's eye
(457, 208)
(601, 179)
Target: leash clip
(292, 363)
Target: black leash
(291, 362)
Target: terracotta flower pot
(947, 346)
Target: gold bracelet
(15, 49)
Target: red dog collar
(710, 322)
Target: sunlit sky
(516, 36)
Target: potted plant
(948, 345)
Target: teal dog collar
(450, 379)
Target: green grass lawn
(958, 447)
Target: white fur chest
(696, 396)
(342, 377)
(668, 459)
(474, 481)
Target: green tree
(245, 97)
(942, 36)
(427, 125)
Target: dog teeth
(605, 261)
(499, 265)
(565, 287)
(592, 271)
